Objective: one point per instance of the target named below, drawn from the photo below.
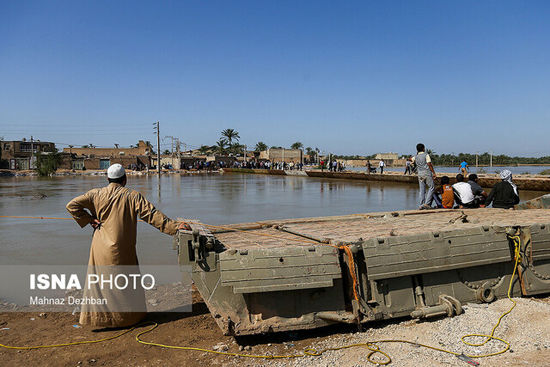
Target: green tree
(260, 146)
(220, 146)
(166, 151)
(46, 164)
(236, 148)
(204, 149)
(230, 135)
(297, 145)
(310, 151)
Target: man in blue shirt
(464, 168)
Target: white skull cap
(115, 171)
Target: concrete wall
(94, 163)
(374, 163)
(278, 155)
(487, 181)
(387, 156)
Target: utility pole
(176, 144)
(491, 159)
(477, 153)
(33, 158)
(157, 131)
(178, 152)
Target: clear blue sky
(348, 77)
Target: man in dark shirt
(479, 194)
(505, 193)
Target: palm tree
(297, 145)
(236, 148)
(260, 146)
(220, 145)
(204, 149)
(231, 134)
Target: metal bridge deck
(358, 227)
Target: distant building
(21, 153)
(387, 156)
(141, 149)
(282, 154)
(390, 159)
(101, 158)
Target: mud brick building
(282, 154)
(101, 158)
(141, 149)
(20, 154)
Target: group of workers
(464, 193)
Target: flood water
(213, 199)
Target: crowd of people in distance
(261, 164)
(371, 169)
(252, 164)
(332, 166)
(464, 193)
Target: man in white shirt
(381, 165)
(463, 192)
(426, 176)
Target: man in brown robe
(113, 212)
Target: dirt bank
(527, 328)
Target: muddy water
(213, 199)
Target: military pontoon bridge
(293, 274)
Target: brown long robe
(114, 243)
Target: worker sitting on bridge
(447, 193)
(479, 194)
(113, 212)
(505, 193)
(464, 195)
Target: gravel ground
(527, 328)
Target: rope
(372, 346)
(267, 235)
(517, 256)
(28, 217)
(71, 343)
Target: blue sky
(347, 77)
